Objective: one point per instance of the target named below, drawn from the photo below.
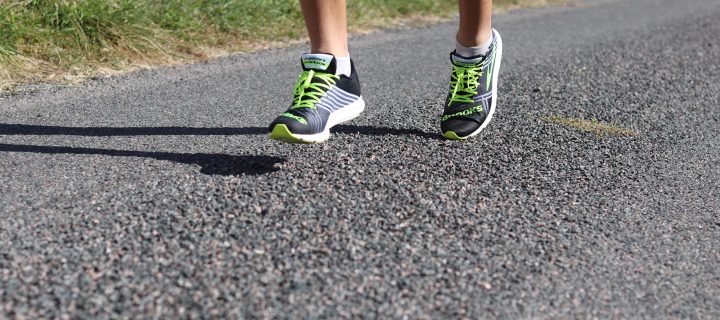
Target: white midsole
(346, 113)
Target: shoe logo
(317, 61)
(465, 64)
(466, 112)
(292, 116)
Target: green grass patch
(64, 40)
(593, 126)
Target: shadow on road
(381, 131)
(212, 164)
(29, 129)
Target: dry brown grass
(593, 126)
(164, 50)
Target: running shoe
(321, 100)
(470, 104)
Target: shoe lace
(464, 83)
(308, 92)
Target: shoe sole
(280, 132)
(498, 60)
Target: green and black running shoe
(471, 101)
(321, 100)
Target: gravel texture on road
(158, 195)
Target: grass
(60, 41)
(593, 126)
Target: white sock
(343, 66)
(467, 52)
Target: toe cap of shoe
(461, 127)
(293, 125)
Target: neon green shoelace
(464, 83)
(307, 93)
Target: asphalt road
(158, 195)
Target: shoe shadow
(381, 131)
(211, 164)
(29, 129)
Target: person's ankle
(474, 39)
(473, 48)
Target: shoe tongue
(319, 62)
(465, 62)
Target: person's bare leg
(326, 23)
(475, 22)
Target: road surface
(158, 193)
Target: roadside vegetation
(62, 41)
